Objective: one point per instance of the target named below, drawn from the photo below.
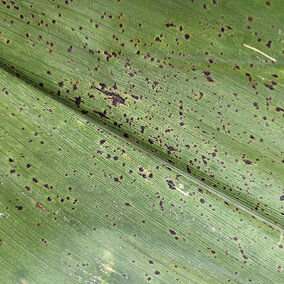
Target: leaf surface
(141, 141)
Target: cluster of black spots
(269, 86)
(5, 91)
(115, 98)
(169, 25)
(102, 114)
(208, 76)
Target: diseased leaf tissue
(141, 141)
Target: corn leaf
(141, 141)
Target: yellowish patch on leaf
(109, 268)
(39, 205)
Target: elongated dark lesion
(115, 98)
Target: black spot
(188, 169)
(116, 179)
(186, 36)
(78, 100)
(172, 232)
(157, 272)
(171, 184)
(269, 44)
